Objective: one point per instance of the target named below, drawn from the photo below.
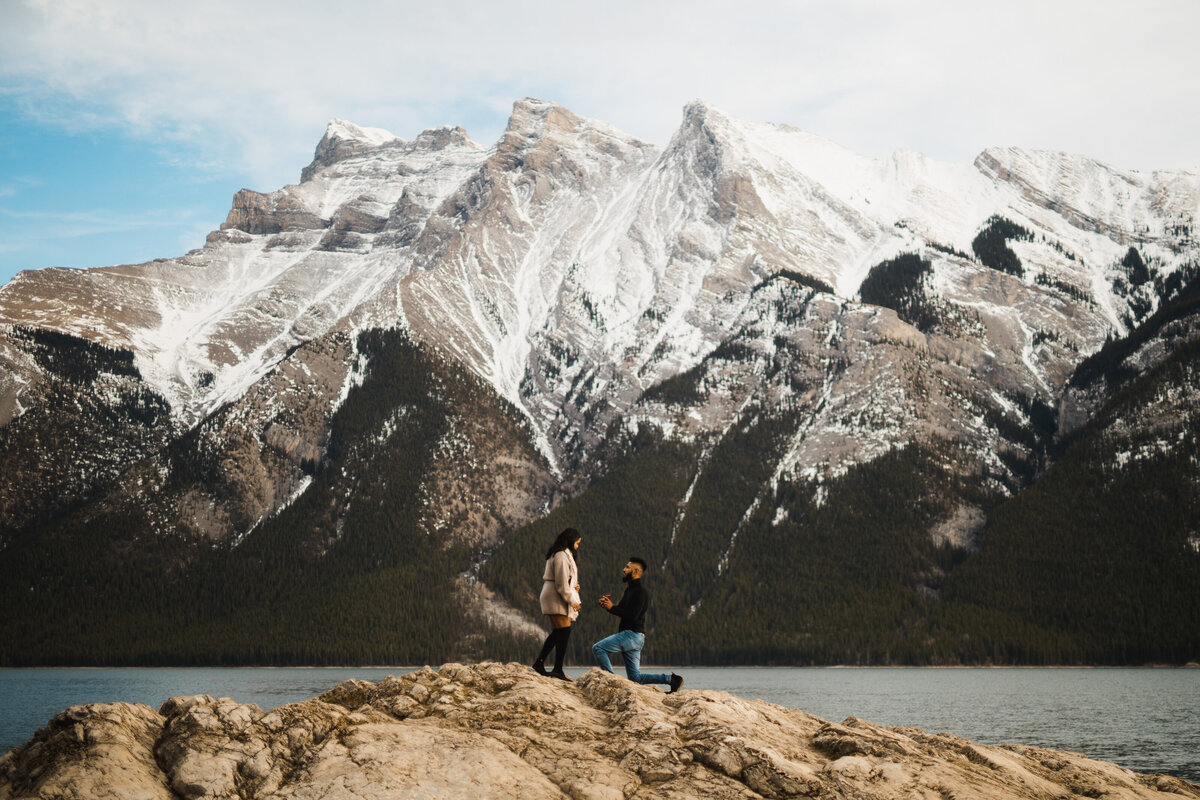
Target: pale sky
(128, 125)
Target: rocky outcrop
(257, 213)
(498, 730)
(291, 444)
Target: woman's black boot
(560, 653)
(539, 665)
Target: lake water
(1144, 719)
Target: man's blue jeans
(629, 644)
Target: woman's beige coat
(558, 584)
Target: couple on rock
(560, 603)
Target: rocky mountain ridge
(571, 300)
(498, 730)
(570, 252)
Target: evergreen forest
(1097, 561)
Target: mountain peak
(532, 118)
(699, 114)
(344, 140)
(444, 137)
(341, 129)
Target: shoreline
(645, 667)
(709, 741)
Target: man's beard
(626, 578)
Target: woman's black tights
(557, 639)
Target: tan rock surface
(498, 730)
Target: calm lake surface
(1144, 719)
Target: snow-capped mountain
(597, 287)
(569, 237)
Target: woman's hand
(576, 606)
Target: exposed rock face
(256, 213)
(573, 267)
(497, 730)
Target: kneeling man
(630, 637)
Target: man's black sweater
(632, 608)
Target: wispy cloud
(250, 85)
(91, 222)
(15, 185)
(42, 236)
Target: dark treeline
(95, 417)
(327, 581)
(73, 358)
(1180, 301)
(991, 245)
(898, 283)
(1099, 561)
(1061, 574)
(1091, 564)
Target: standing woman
(559, 599)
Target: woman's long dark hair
(565, 541)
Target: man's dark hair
(641, 562)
